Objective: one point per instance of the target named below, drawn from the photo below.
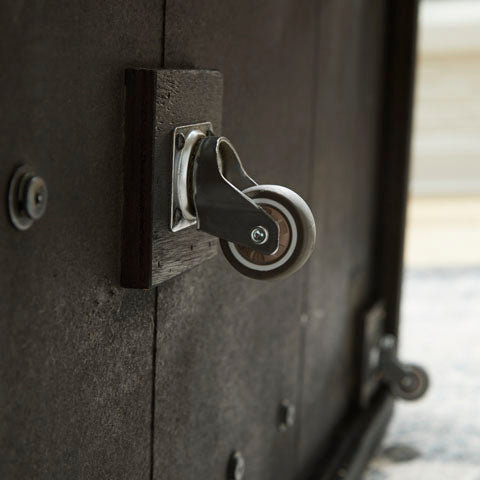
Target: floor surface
(438, 437)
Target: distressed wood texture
(157, 102)
(228, 347)
(348, 106)
(75, 348)
(303, 105)
(101, 382)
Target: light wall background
(446, 140)
(443, 223)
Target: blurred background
(439, 436)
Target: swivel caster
(265, 231)
(406, 381)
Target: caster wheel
(413, 384)
(296, 240)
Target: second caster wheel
(412, 385)
(265, 231)
(296, 235)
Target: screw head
(288, 414)
(259, 235)
(236, 466)
(180, 141)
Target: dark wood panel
(228, 347)
(264, 51)
(302, 104)
(401, 21)
(157, 102)
(75, 348)
(346, 134)
(227, 355)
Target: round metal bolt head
(180, 141)
(35, 201)
(27, 197)
(236, 466)
(409, 382)
(259, 235)
(287, 415)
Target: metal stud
(287, 415)
(27, 197)
(236, 466)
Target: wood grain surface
(157, 102)
(99, 381)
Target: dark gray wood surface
(99, 381)
(229, 348)
(348, 107)
(302, 94)
(157, 102)
(75, 348)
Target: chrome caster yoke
(266, 231)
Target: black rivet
(236, 466)
(180, 141)
(287, 415)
